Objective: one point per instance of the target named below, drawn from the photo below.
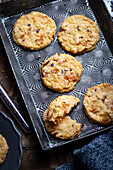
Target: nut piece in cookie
(61, 72)
(59, 107)
(65, 129)
(34, 31)
(78, 34)
(98, 103)
(3, 149)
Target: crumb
(2, 71)
(6, 77)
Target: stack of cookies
(56, 120)
(78, 34)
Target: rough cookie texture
(59, 107)
(61, 72)
(34, 31)
(65, 129)
(57, 123)
(3, 149)
(78, 34)
(98, 103)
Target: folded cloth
(97, 155)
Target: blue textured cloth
(97, 155)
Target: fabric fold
(97, 155)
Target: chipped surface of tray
(97, 68)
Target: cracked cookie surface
(61, 72)
(65, 129)
(78, 34)
(59, 107)
(98, 103)
(56, 121)
(34, 31)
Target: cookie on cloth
(59, 107)
(65, 129)
(78, 34)
(98, 103)
(3, 149)
(61, 72)
(34, 31)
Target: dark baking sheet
(97, 65)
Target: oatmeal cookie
(98, 103)
(34, 31)
(59, 107)
(78, 34)
(65, 129)
(3, 149)
(61, 72)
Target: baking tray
(97, 64)
(109, 6)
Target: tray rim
(17, 76)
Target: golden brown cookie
(65, 129)
(59, 107)
(3, 149)
(98, 103)
(61, 72)
(78, 34)
(34, 31)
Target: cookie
(65, 129)
(3, 149)
(61, 72)
(34, 31)
(60, 106)
(98, 103)
(78, 34)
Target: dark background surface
(33, 155)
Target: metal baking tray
(97, 64)
(109, 6)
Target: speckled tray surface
(97, 68)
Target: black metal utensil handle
(14, 110)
